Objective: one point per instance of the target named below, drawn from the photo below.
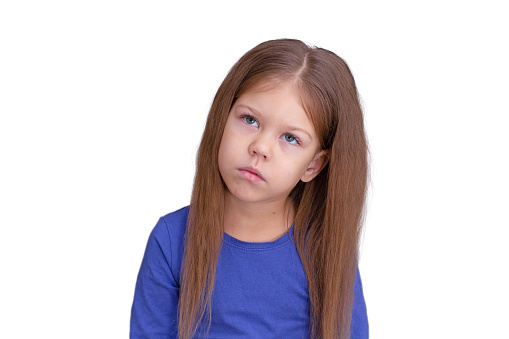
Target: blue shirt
(260, 289)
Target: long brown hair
(329, 209)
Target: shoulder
(170, 229)
(174, 223)
(167, 239)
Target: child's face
(268, 145)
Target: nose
(261, 147)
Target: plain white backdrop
(102, 107)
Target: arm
(154, 310)
(359, 327)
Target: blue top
(260, 289)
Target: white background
(102, 107)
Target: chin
(243, 196)
(246, 198)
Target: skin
(268, 145)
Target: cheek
(227, 149)
(233, 139)
(300, 165)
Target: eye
(291, 139)
(250, 120)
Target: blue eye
(250, 120)
(291, 139)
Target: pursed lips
(251, 174)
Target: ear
(317, 164)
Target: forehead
(272, 95)
(273, 84)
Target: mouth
(251, 174)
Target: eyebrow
(290, 128)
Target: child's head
(325, 89)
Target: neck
(257, 222)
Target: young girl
(269, 245)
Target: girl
(269, 245)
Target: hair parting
(329, 208)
